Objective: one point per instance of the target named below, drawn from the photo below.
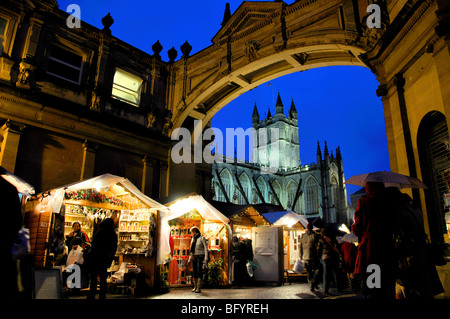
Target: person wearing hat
(198, 256)
(308, 253)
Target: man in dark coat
(100, 257)
(308, 253)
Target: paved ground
(294, 291)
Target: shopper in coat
(329, 258)
(375, 233)
(198, 257)
(100, 257)
(78, 234)
(308, 253)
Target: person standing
(375, 241)
(329, 258)
(100, 257)
(78, 234)
(308, 253)
(199, 257)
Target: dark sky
(334, 104)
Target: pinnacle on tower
(226, 15)
(269, 115)
(319, 154)
(255, 115)
(279, 105)
(293, 110)
(338, 153)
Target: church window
(226, 182)
(312, 196)
(262, 188)
(292, 191)
(65, 64)
(127, 87)
(334, 190)
(277, 188)
(244, 181)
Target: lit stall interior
(195, 211)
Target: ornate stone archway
(409, 54)
(262, 41)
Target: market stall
(51, 216)
(294, 225)
(175, 237)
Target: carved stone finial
(107, 22)
(186, 49)
(157, 48)
(172, 54)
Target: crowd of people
(392, 259)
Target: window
(3, 23)
(65, 64)
(312, 196)
(245, 183)
(226, 182)
(127, 87)
(292, 191)
(262, 188)
(277, 188)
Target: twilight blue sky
(334, 104)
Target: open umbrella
(350, 238)
(389, 179)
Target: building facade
(275, 174)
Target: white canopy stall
(188, 211)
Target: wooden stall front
(135, 215)
(189, 211)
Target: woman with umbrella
(375, 241)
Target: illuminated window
(127, 87)
(65, 64)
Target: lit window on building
(3, 24)
(127, 87)
(65, 64)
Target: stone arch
(287, 42)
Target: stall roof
(178, 208)
(22, 187)
(233, 210)
(105, 181)
(286, 218)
